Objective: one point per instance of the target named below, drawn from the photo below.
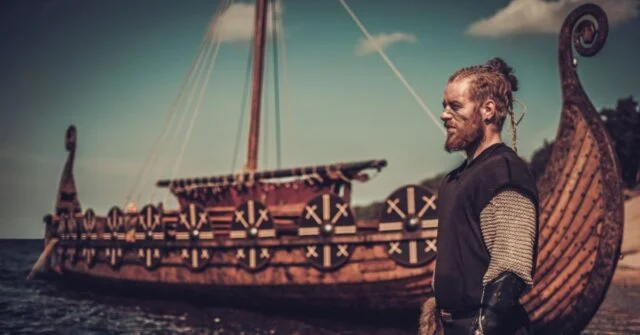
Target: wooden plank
(548, 299)
(296, 269)
(282, 242)
(561, 195)
(543, 280)
(574, 219)
(560, 179)
(568, 294)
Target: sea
(42, 306)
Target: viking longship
(291, 236)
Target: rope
(139, 181)
(197, 110)
(225, 4)
(274, 38)
(524, 110)
(393, 68)
(245, 99)
(515, 124)
(215, 44)
(181, 122)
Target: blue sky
(113, 69)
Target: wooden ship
(290, 235)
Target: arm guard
(500, 305)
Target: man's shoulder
(505, 160)
(501, 164)
(505, 169)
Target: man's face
(461, 116)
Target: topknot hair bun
(501, 66)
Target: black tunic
(463, 258)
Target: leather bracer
(500, 303)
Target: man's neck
(474, 151)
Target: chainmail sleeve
(508, 225)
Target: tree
(540, 159)
(433, 183)
(623, 126)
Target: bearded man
(487, 209)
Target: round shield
(252, 220)
(149, 224)
(89, 224)
(413, 252)
(253, 258)
(150, 257)
(326, 215)
(409, 208)
(114, 256)
(115, 221)
(328, 257)
(193, 224)
(196, 258)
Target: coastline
(628, 270)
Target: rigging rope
(171, 113)
(274, 38)
(197, 110)
(393, 68)
(186, 110)
(245, 99)
(181, 122)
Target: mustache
(457, 118)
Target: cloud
(366, 47)
(542, 17)
(236, 23)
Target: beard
(468, 132)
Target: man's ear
(488, 110)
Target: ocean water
(45, 307)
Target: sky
(114, 69)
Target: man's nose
(445, 115)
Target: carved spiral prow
(67, 201)
(582, 209)
(70, 138)
(586, 29)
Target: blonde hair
(494, 80)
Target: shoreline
(628, 270)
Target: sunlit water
(45, 307)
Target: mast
(260, 26)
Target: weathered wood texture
(67, 201)
(370, 279)
(580, 232)
(581, 197)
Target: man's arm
(508, 226)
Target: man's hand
(500, 305)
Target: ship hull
(370, 281)
(580, 234)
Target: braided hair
(494, 80)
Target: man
(487, 208)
